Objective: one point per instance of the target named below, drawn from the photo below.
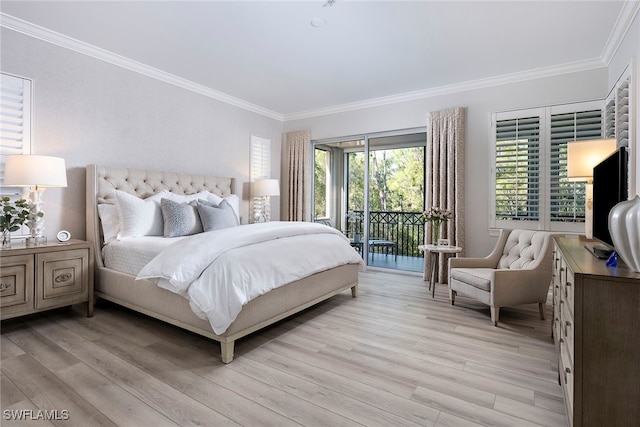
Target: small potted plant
(436, 216)
(14, 214)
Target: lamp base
(36, 240)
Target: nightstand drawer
(62, 277)
(16, 289)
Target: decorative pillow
(216, 217)
(140, 217)
(180, 219)
(110, 222)
(234, 201)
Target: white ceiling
(267, 53)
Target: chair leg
(452, 296)
(541, 307)
(495, 313)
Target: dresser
(596, 330)
(42, 277)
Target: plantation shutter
(15, 122)
(567, 199)
(517, 169)
(622, 113)
(260, 167)
(610, 118)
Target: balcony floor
(407, 263)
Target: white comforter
(220, 271)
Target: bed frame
(145, 297)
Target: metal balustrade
(406, 229)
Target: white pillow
(110, 221)
(186, 198)
(140, 217)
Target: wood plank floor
(391, 357)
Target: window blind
(622, 113)
(517, 169)
(567, 199)
(15, 122)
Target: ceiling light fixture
(329, 3)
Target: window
(517, 169)
(15, 122)
(529, 166)
(260, 167)
(567, 198)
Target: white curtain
(445, 180)
(298, 153)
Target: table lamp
(266, 188)
(37, 173)
(582, 156)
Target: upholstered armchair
(518, 271)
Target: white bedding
(131, 254)
(220, 271)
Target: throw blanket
(220, 271)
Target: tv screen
(609, 189)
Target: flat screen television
(609, 189)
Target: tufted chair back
(524, 249)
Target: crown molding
(451, 89)
(44, 34)
(620, 30)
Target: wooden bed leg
(226, 349)
(354, 291)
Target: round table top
(440, 248)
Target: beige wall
(89, 111)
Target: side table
(42, 277)
(435, 251)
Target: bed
(119, 285)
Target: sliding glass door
(372, 188)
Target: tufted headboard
(102, 181)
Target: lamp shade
(35, 171)
(583, 156)
(266, 187)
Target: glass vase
(435, 232)
(6, 239)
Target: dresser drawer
(567, 331)
(16, 289)
(62, 278)
(566, 376)
(569, 288)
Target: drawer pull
(63, 277)
(4, 286)
(567, 370)
(568, 284)
(568, 323)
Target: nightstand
(42, 277)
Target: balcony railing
(406, 229)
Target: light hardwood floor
(391, 357)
